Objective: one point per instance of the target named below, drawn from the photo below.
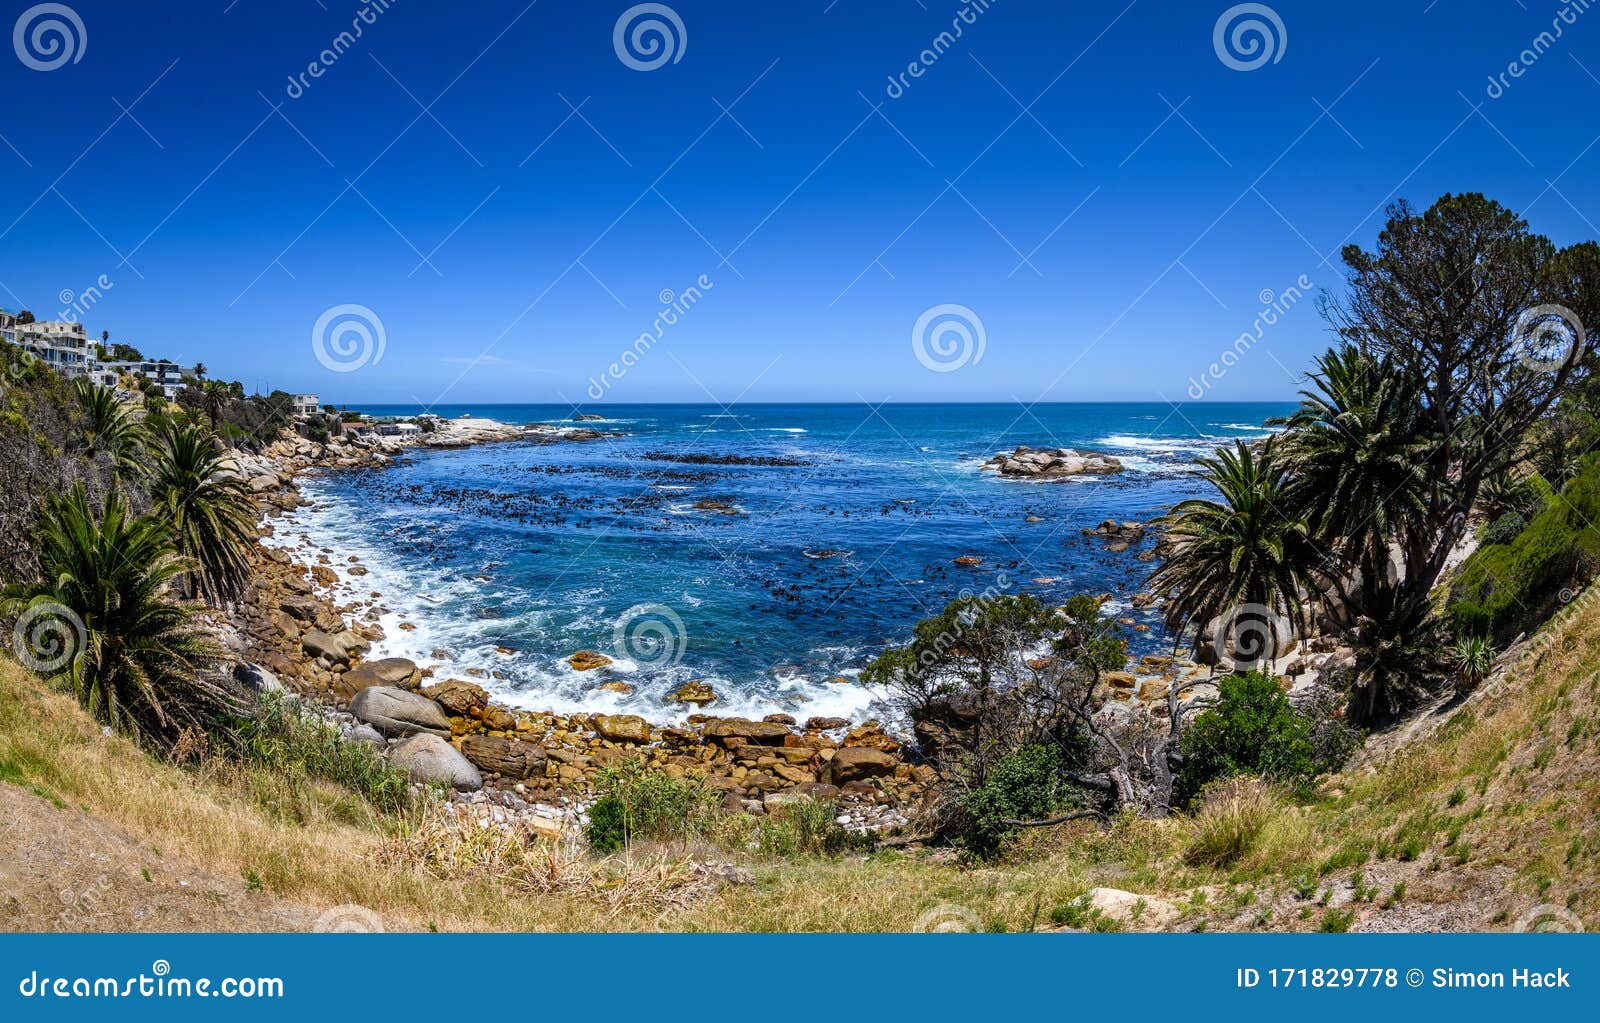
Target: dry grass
(1503, 798)
(310, 845)
(1232, 816)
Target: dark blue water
(545, 549)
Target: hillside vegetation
(1495, 814)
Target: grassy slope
(1495, 812)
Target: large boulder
(769, 733)
(1032, 463)
(395, 672)
(857, 763)
(429, 759)
(397, 713)
(509, 757)
(334, 648)
(1132, 911)
(588, 660)
(697, 693)
(458, 697)
(257, 679)
(623, 728)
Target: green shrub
(1507, 588)
(635, 801)
(1504, 529)
(1253, 729)
(294, 742)
(1029, 783)
(805, 827)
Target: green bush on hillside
(1504, 529)
(637, 802)
(1028, 783)
(1511, 587)
(1253, 730)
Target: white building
(167, 376)
(60, 345)
(306, 405)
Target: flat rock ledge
(1051, 463)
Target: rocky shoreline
(537, 768)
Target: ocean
(835, 528)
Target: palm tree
(109, 429)
(1246, 555)
(1354, 447)
(214, 397)
(1357, 446)
(101, 624)
(208, 508)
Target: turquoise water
(510, 557)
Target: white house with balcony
(62, 346)
(167, 376)
(306, 405)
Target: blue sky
(1035, 173)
